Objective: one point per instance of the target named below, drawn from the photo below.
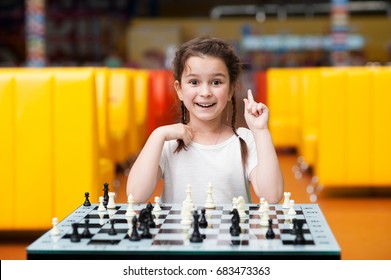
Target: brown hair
(210, 46)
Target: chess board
(171, 240)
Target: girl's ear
(178, 90)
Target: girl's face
(205, 87)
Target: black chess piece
(294, 228)
(203, 222)
(143, 218)
(146, 234)
(112, 230)
(75, 236)
(134, 235)
(235, 228)
(299, 240)
(149, 216)
(86, 233)
(196, 236)
(87, 200)
(149, 207)
(270, 233)
(105, 194)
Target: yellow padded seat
(75, 135)
(7, 149)
(308, 114)
(121, 113)
(381, 129)
(283, 102)
(33, 150)
(330, 166)
(102, 76)
(359, 118)
(140, 84)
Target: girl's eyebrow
(213, 75)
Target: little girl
(202, 149)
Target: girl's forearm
(269, 182)
(144, 173)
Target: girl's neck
(211, 133)
(206, 127)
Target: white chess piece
(210, 204)
(265, 218)
(266, 206)
(189, 198)
(292, 210)
(241, 207)
(186, 214)
(286, 204)
(111, 203)
(101, 207)
(261, 205)
(130, 211)
(55, 231)
(157, 205)
(111, 213)
(101, 218)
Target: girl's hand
(255, 114)
(177, 131)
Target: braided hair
(210, 46)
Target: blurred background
(83, 84)
(269, 33)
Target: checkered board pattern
(170, 237)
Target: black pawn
(299, 240)
(87, 200)
(134, 236)
(294, 228)
(196, 236)
(105, 194)
(75, 236)
(112, 230)
(203, 222)
(86, 233)
(146, 233)
(270, 233)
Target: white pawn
(130, 211)
(111, 203)
(292, 210)
(101, 207)
(286, 204)
(210, 204)
(186, 214)
(157, 205)
(189, 199)
(55, 231)
(101, 218)
(265, 218)
(264, 206)
(261, 206)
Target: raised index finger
(250, 96)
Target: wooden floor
(359, 218)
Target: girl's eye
(193, 82)
(216, 83)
